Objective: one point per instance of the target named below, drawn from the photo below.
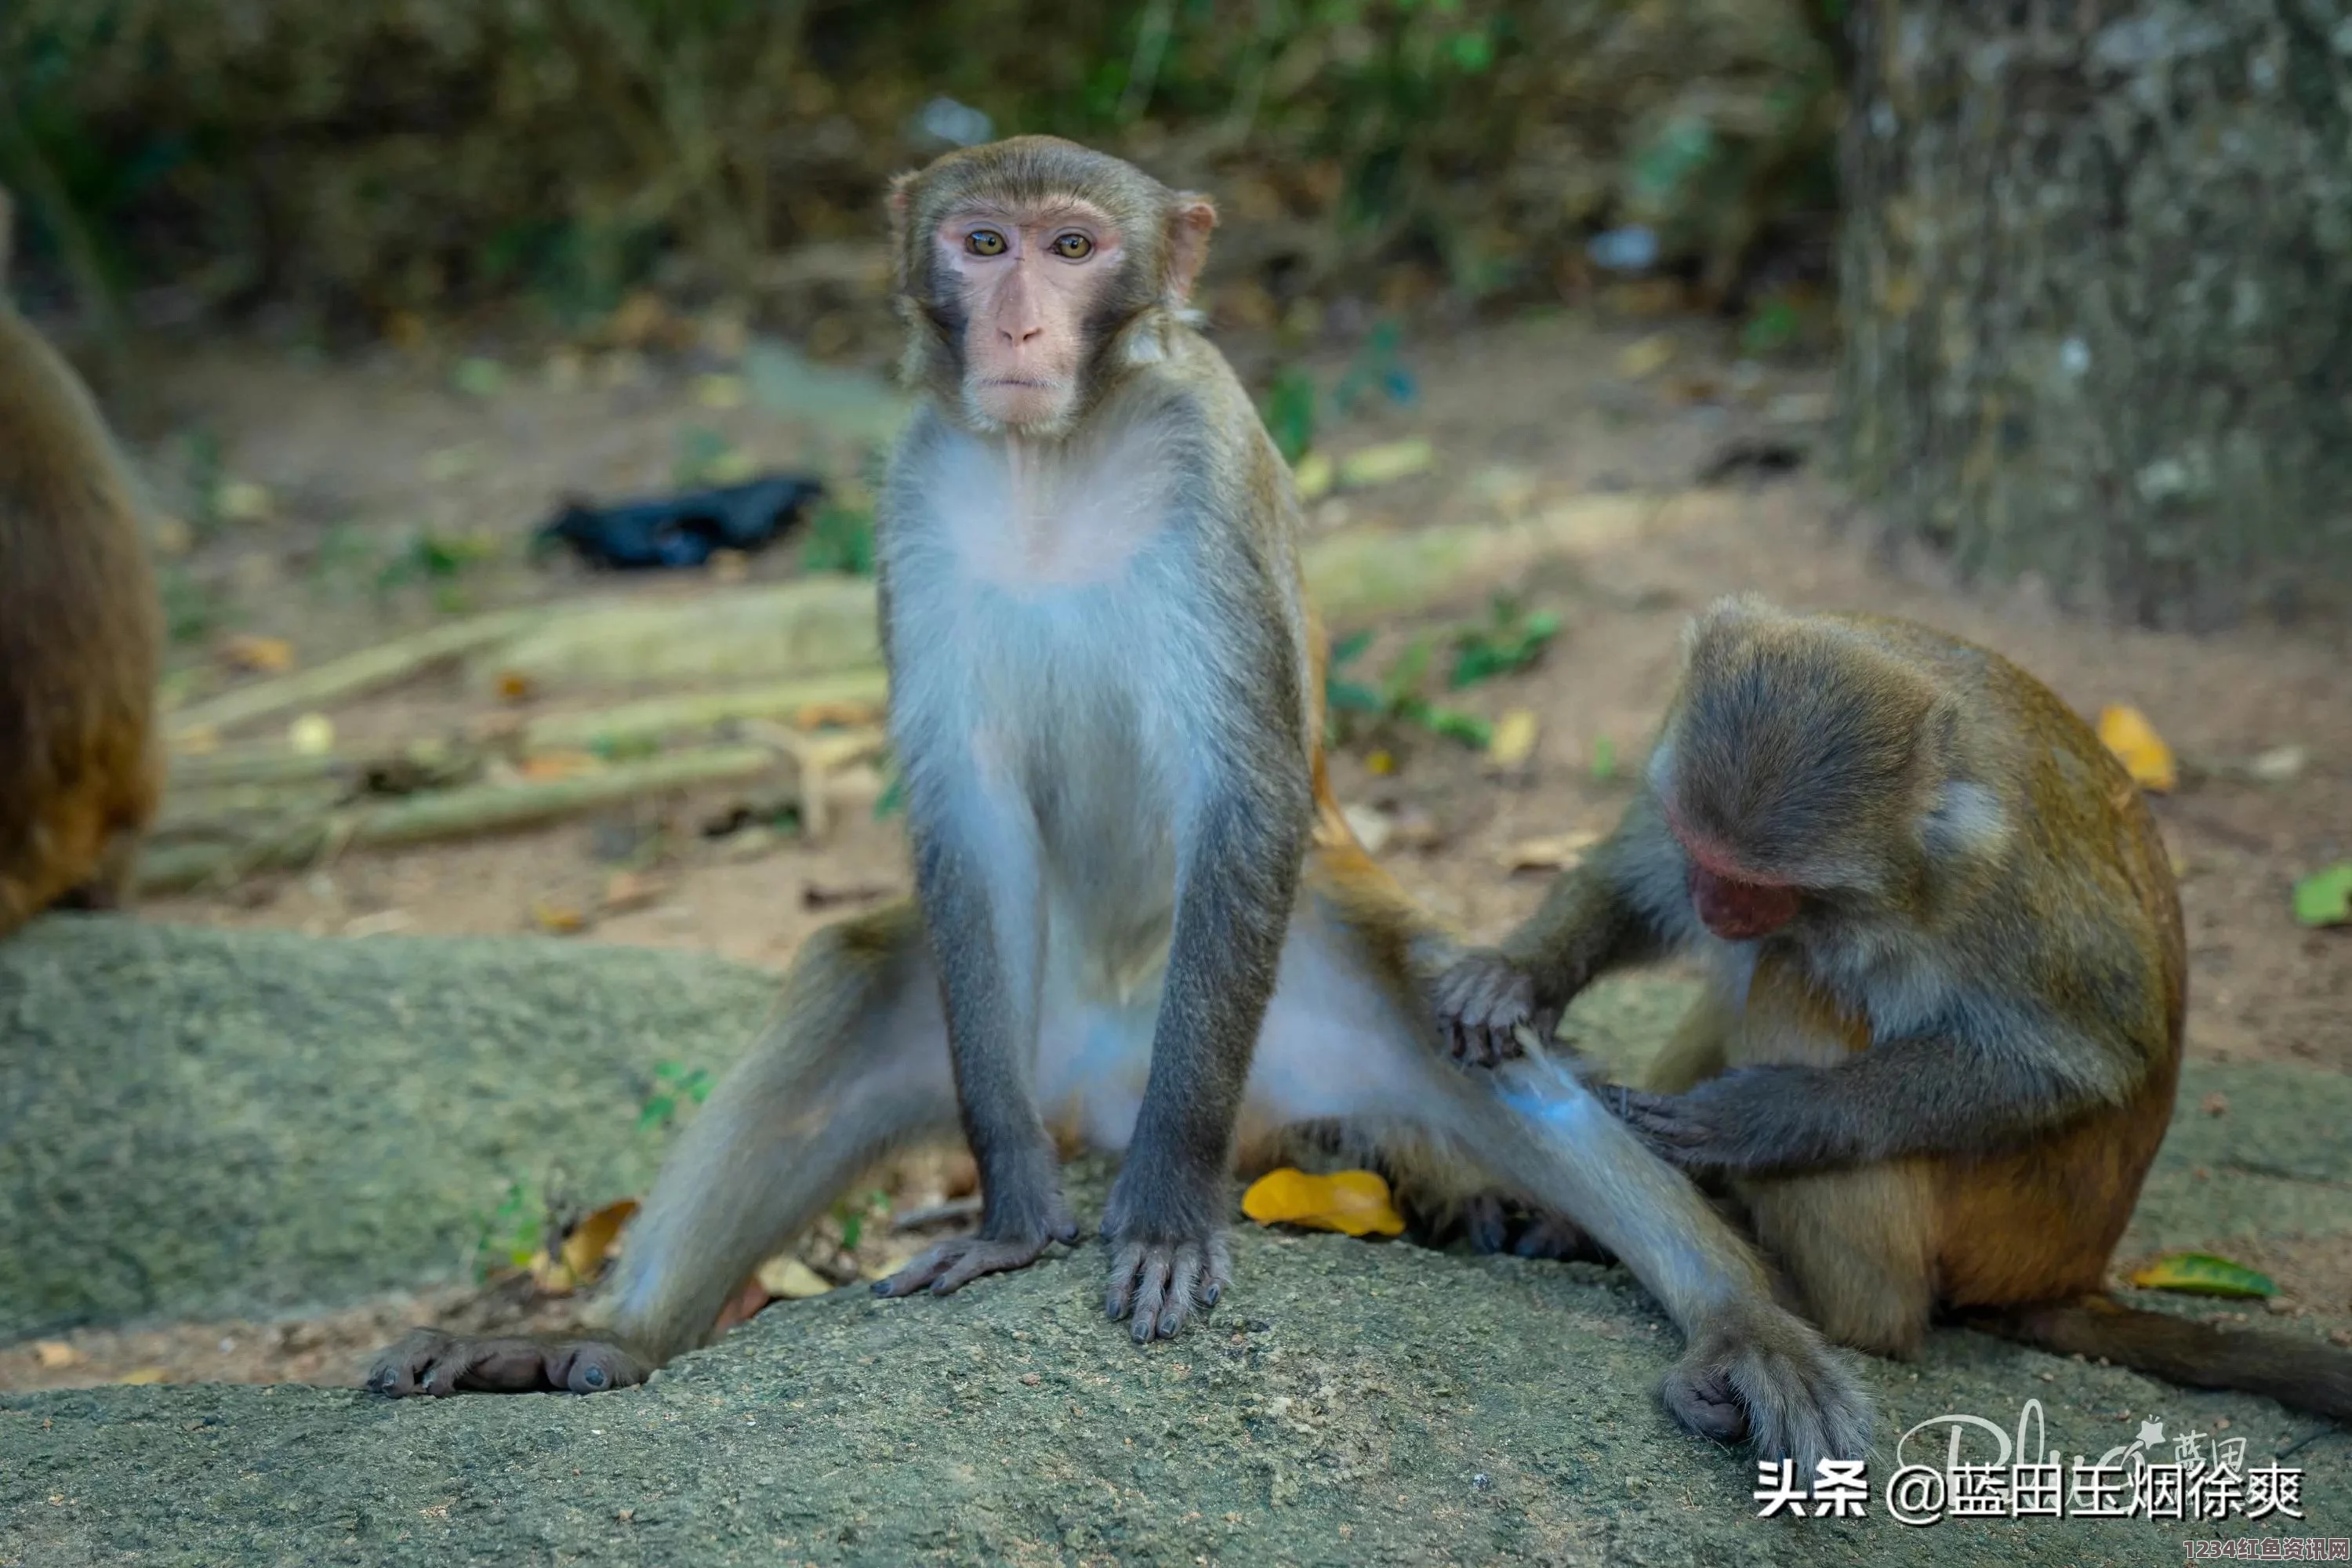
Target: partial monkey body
(81, 641)
(1942, 1033)
(1140, 920)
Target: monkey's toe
(429, 1362)
(956, 1262)
(1159, 1286)
(1761, 1373)
(1487, 1220)
(1559, 1240)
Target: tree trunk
(2096, 282)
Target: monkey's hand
(1754, 1369)
(1002, 1246)
(428, 1361)
(1727, 1123)
(1482, 1002)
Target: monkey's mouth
(1737, 910)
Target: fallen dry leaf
(541, 766)
(729, 566)
(1645, 356)
(1382, 763)
(1514, 739)
(257, 655)
(242, 500)
(749, 1298)
(889, 1263)
(1371, 825)
(311, 735)
(2126, 731)
(788, 1277)
(55, 1354)
(1555, 853)
(2279, 764)
(593, 1239)
(143, 1377)
(561, 920)
(515, 686)
(817, 896)
(627, 890)
(2215, 1104)
(1355, 1203)
(1314, 477)
(1386, 463)
(835, 715)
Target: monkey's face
(1029, 273)
(1030, 280)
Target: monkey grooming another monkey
(80, 640)
(1942, 1036)
(1139, 918)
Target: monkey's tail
(2295, 1370)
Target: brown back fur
(80, 640)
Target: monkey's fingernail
(592, 1376)
(881, 1287)
(1209, 1297)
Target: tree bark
(2096, 289)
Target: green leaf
(2325, 898)
(1405, 675)
(1512, 643)
(658, 1109)
(1347, 697)
(1455, 725)
(1348, 649)
(1290, 413)
(2202, 1274)
(1604, 760)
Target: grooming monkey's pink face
(1030, 280)
(1733, 902)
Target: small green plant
(893, 798)
(509, 1236)
(189, 613)
(672, 1079)
(704, 457)
(840, 539)
(1604, 760)
(435, 561)
(1378, 366)
(1511, 641)
(1289, 412)
(852, 1214)
(1397, 700)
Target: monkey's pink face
(1733, 902)
(1030, 279)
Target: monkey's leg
(1348, 1037)
(1859, 1246)
(855, 1066)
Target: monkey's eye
(1075, 247)
(984, 242)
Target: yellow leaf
(837, 715)
(1386, 463)
(143, 1376)
(1514, 739)
(514, 686)
(559, 919)
(545, 766)
(1645, 357)
(791, 1279)
(720, 392)
(1555, 853)
(1313, 476)
(263, 656)
(311, 735)
(2202, 1274)
(2127, 733)
(55, 1354)
(1383, 763)
(1353, 1202)
(590, 1241)
(242, 500)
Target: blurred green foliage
(421, 155)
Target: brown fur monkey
(81, 641)
(1942, 1035)
(1138, 919)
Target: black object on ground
(683, 530)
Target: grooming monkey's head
(1807, 765)
(1032, 271)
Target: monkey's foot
(1156, 1285)
(1755, 1371)
(960, 1260)
(428, 1361)
(1481, 1003)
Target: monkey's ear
(901, 200)
(1190, 219)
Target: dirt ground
(357, 458)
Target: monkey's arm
(1611, 909)
(1952, 1092)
